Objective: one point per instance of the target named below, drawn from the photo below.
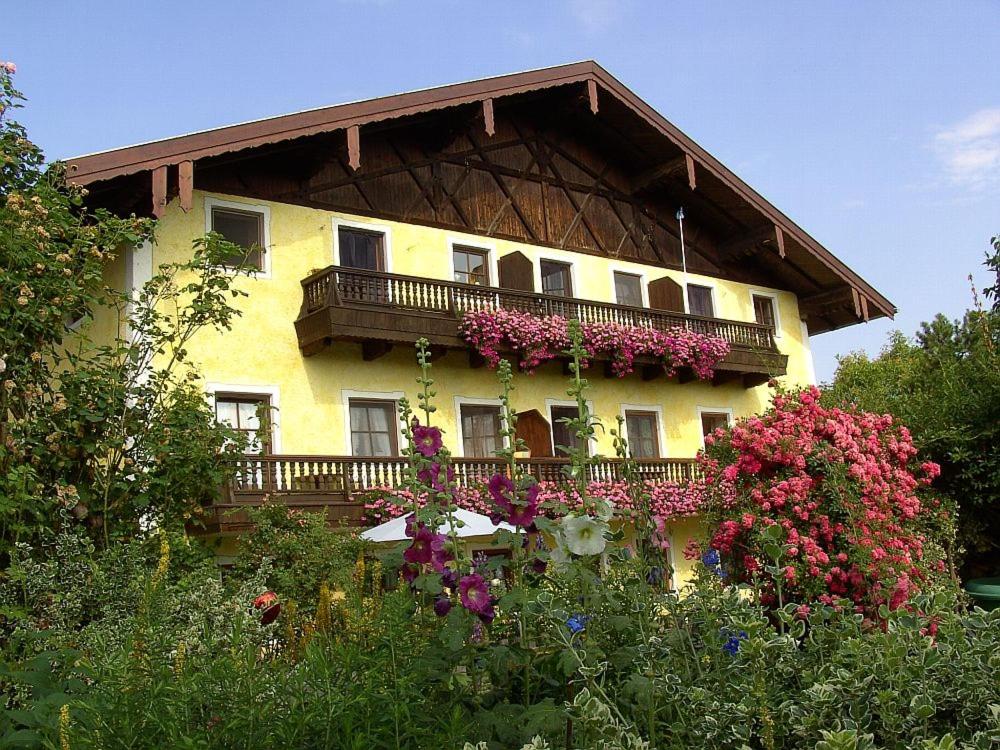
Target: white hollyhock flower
(584, 535)
(604, 509)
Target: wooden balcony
(335, 485)
(380, 309)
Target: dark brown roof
(108, 165)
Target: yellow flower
(64, 727)
(179, 658)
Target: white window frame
(727, 410)
(461, 401)
(348, 395)
(660, 426)
(549, 403)
(574, 282)
(643, 283)
(257, 208)
(489, 248)
(273, 392)
(774, 303)
(384, 229)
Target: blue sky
(876, 126)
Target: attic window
(244, 229)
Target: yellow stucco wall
(261, 350)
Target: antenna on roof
(684, 262)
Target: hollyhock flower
(474, 594)
(421, 548)
(8, 67)
(427, 440)
(449, 578)
(442, 606)
(440, 554)
(584, 535)
(437, 477)
(538, 565)
(409, 572)
(501, 490)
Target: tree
(103, 432)
(945, 385)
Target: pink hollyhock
(8, 67)
(427, 440)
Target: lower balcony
(380, 310)
(335, 485)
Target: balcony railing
(335, 485)
(335, 287)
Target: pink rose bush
(538, 339)
(847, 494)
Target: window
(480, 430)
(763, 311)
(713, 420)
(248, 413)
(562, 433)
(700, 301)
(471, 265)
(373, 428)
(642, 431)
(628, 289)
(556, 278)
(242, 228)
(361, 248)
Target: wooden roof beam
(667, 168)
(748, 243)
(354, 147)
(491, 129)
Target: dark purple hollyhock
(420, 550)
(474, 594)
(442, 606)
(427, 440)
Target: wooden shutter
(533, 429)
(666, 294)
(516, 272)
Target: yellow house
(551, 192)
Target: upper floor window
(628, 289)
(373, 428)
(244, 228)
(764, 312)
(713, 420)
(361, 248)
(480, 430)
(563, 433)
(643, 434)
(556, 278)
(247, 413)
(471, 265)
(700, 300)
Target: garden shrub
(821, 504)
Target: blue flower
(732, 644)
(577, 623)
(711, 557)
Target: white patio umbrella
(473, 524)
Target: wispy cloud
(970, 149)
(595, 15)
